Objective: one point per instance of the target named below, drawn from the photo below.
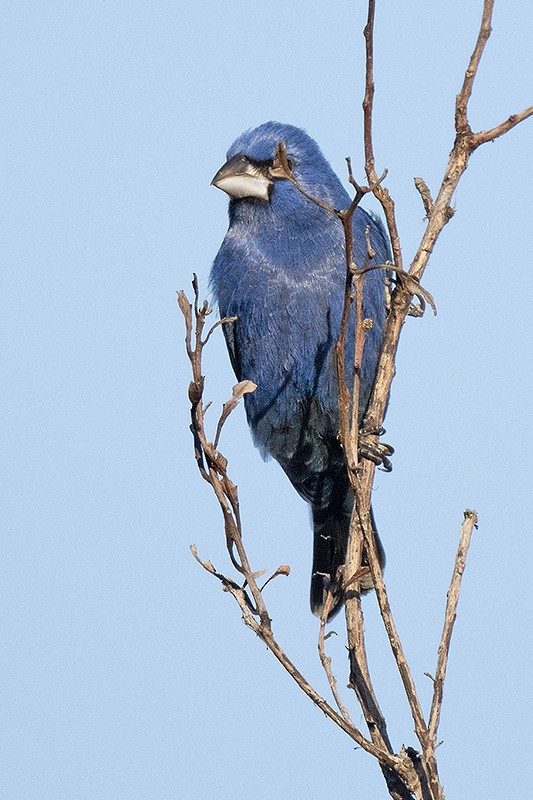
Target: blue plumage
(281, 271)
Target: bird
(281, 272)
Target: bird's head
(252, 170)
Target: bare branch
(239, 390)
(425, 194)
(380, 192)
(469, 523)
(391, 761)
(214, 471)
(408, 774)
(462, 125)
(505, 126)
(403, 785)
(326, 660)
(213, 328)
(284, 569)
(282, 169)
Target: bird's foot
(373, 450)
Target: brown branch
(223, 321)
(408, 775)
(326, 660)
(211, 463)
(265, 634)
(282, 169)
(393, 762)
(469, 523)
(465, 144)
(425, 194)
(379, 191)
(361, 527)
(400, 785)
(511, 122)
(213, 467)
(392, 633)
(239, 390)
(461, 104)
(438, 214)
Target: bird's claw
(377, 452)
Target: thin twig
(465, 143)
(461, 105)
(392, 633)
(469, 523)
(252, 605)
(379, 191)
(223, 321)
(326, 660)
(505, 126)
(211, 463)
(425, 194)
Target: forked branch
(409, 774)
(249, 596)
(438, 213)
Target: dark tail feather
(331, 528)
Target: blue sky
(126, 672)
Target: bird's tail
(331, 528)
